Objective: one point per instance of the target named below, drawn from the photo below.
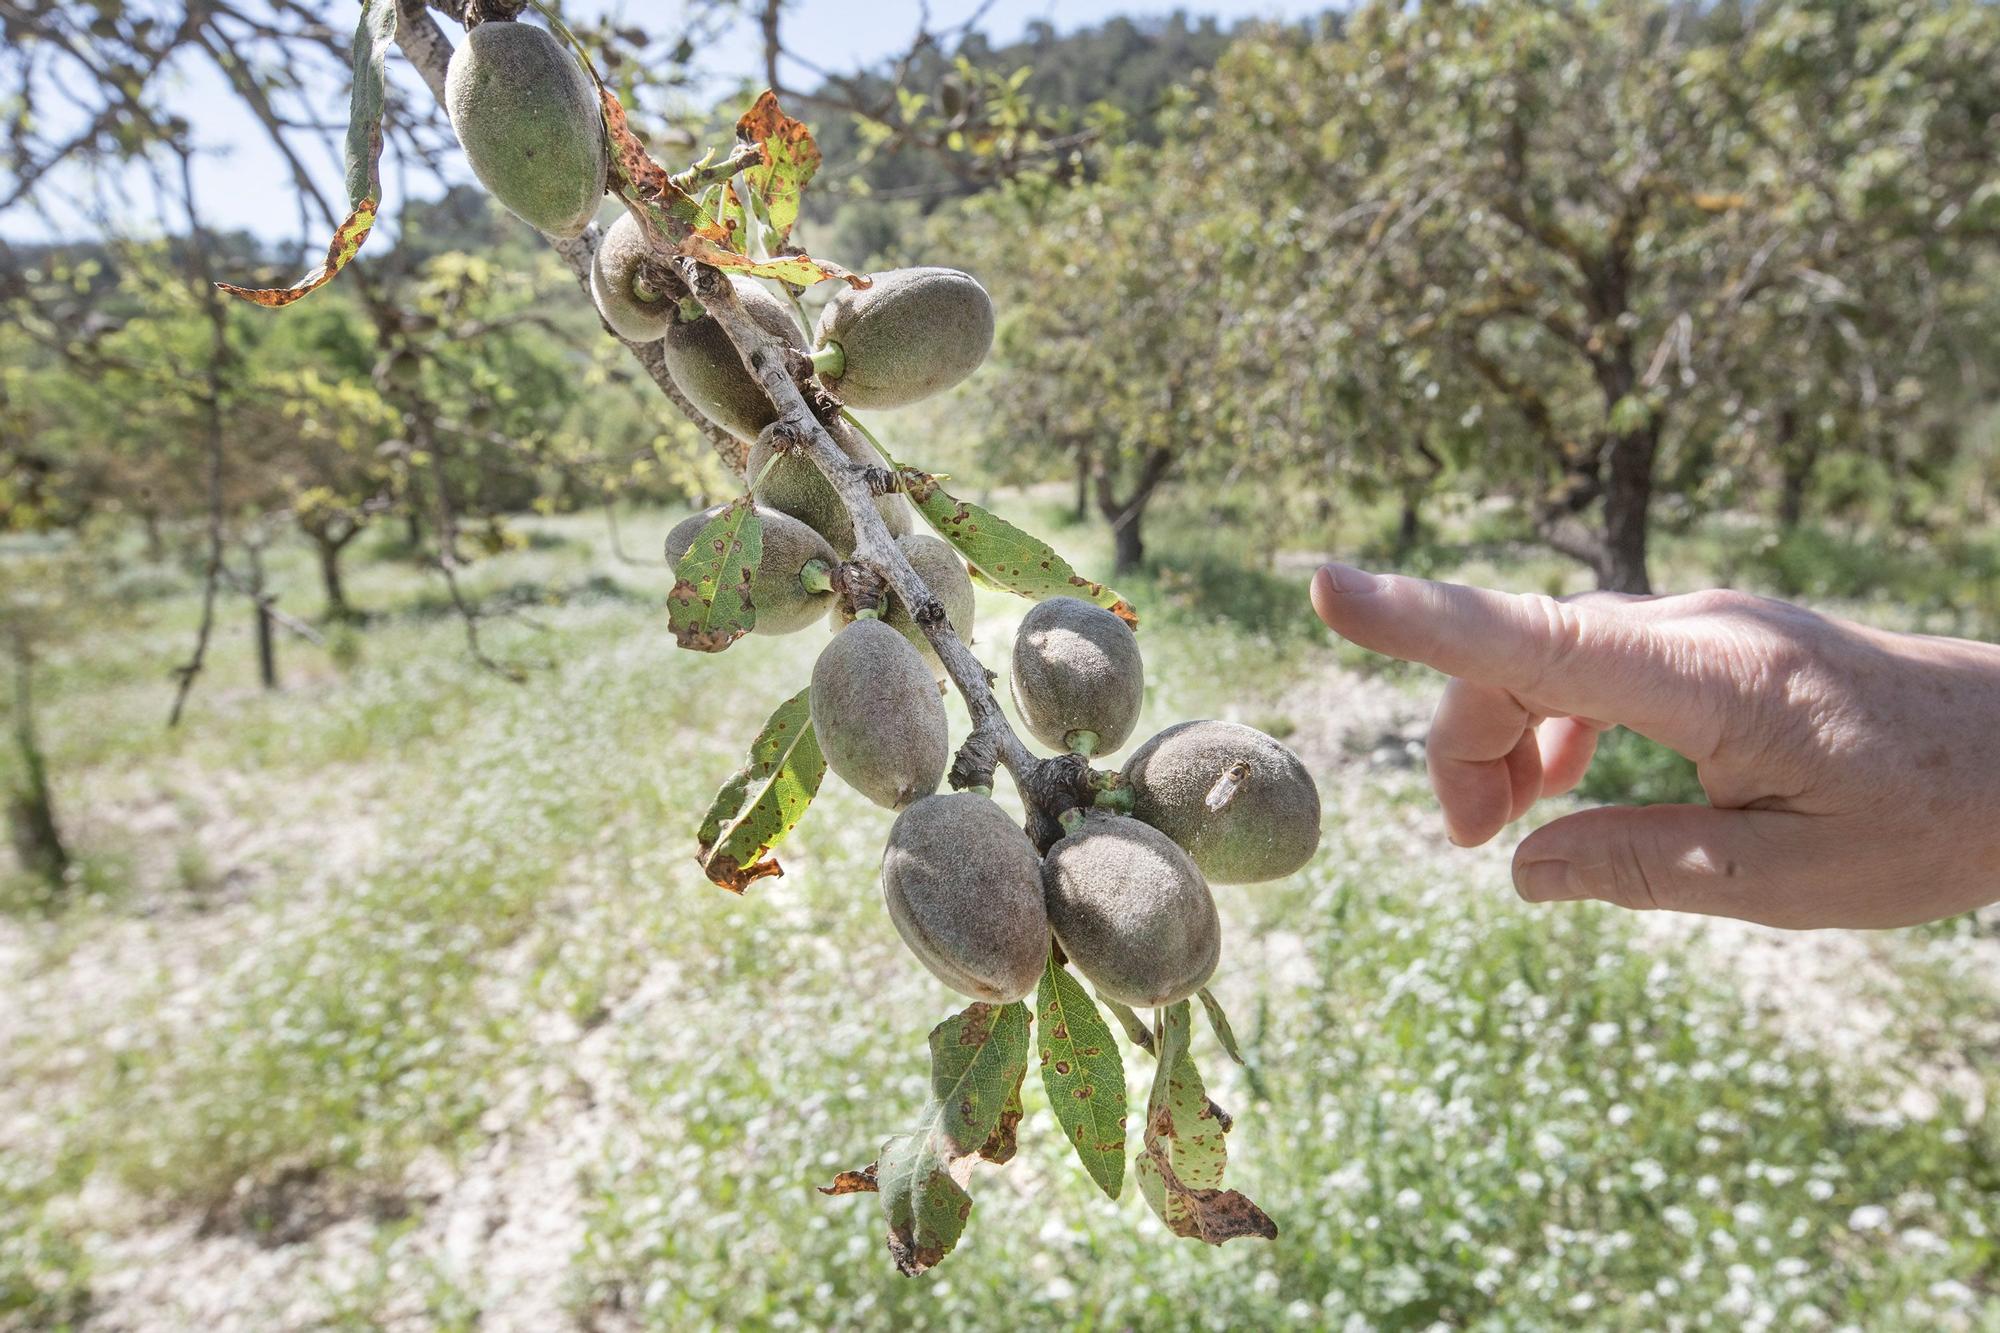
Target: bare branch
(767, 361)
(211, 406)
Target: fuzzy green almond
(530, 123)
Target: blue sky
(240, 176)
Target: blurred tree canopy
(1611, 262)
(1580, 254)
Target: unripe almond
(614, 271)
(530, 123)
(910, 333)
(1077, 670)
(795, 486)
(1132, 911)
(706, 367)
(1241, 803)
(876, 711)
(943, 572)
(964, 887)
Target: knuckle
(1555, 633)
(1631, 881)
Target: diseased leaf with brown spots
(784, 770)
(1002, 553)
(668, 214)
(1220, 1022)
(978, 1058)
(1180, 1169)
(1213, 1216)
(1002, 1144)
(799, 270)
(925, 1205)
(709, 607)
(1084, 1075)
(729, 211)
(790, 159)
(372, 38)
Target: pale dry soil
(505, 1218)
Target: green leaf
(790, 159)
(1084, 1075)
(784, 770)
(1001, 552)
(709, 607)
(373, 36)
(1180, 1169)
(978, 1058)
(1220, 1022)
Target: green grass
(1631, 770)
(437, 907)
(44, 1272)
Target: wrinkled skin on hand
(1853, 774)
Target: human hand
(1853, 775)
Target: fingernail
(1349, 581)
(1548, 882)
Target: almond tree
(1589, 219)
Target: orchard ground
(394, 999)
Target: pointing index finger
(1600, 660)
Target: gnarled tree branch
(779, 371)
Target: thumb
(1768, 866)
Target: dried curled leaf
(372, 38)
(853, 1182)
(1180, 1169)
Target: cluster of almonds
(1124, 888)
(1125, 895)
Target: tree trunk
(1126, 515)
(1082, 482)
(31, 812)
(413, 529)
(1799, 462)
(1409, 526)
(329, 577)
(1130, 545)
(156, 545)
(267, 652)
(1628, 500)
